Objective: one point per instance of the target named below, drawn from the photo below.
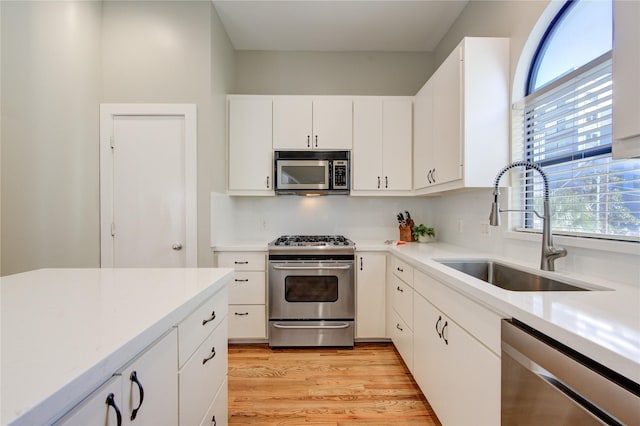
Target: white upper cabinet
(250, 147)
(302, 122)
(461, 119)
(382, 136)
(626, 83)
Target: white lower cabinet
(218, 412)
(247, 293)
(202, 376)
(370, 295)
(143, 393)
(400, 308)
(150, 385)
(94, 410)
(459, 375)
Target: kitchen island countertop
(66, 331)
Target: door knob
(177, 246)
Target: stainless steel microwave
(312, 172)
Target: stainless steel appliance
(312, 172)
(311, 291)
(547, 383)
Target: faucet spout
(549, 253)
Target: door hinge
(111, 143)
(113, 229)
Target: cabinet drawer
(197, 326)
(202, 375)
(479, 321)
(402, 270)
(218, 412)
(402, 338)
(402, 300)
(242, 260)
(247, 321)
(247, 288)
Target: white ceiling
(338, 25)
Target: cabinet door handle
(211, 318)
(386, 182)
(267, 182)
(213, 421)
(134, 378)
(400, 269)
(111, 402)
(433, 175)
(446, 342)
(438, 322)
(429, 175)
(378, 182)
(398, 327)
(241, 281)
(241, 262)
(241, 314)
(399, 289)
(316, 141)
(308, 141)
(361, 263)
(213, 353)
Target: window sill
(625, 247)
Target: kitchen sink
(509, 278)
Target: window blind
(566, 127)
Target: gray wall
(60, 60)
(50, 96)
(332, 73)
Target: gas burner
(312, 241)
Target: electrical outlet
(485, 229)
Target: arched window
(567, 127)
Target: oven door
(311, 290)
(302, 174)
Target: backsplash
(262, 219)
(458, 218)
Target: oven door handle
(311, 268)
(307, 327)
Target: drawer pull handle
(246, 280)
(242, 262)
(134, 378)
(213, 353)
(399, 289)
(438, 322)
(111, 402)
(213, 316)
(241, 314)
(400, 269)
(446, 342)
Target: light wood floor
(323, 386)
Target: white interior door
(148, 201)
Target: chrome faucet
(549, 253)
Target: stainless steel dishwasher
(547, 383)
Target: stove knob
(346, 243)
(286, 243)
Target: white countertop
(603, 325)
(66, 331)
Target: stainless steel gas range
(311, 291)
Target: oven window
(311, 289)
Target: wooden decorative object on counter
(405, 232)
